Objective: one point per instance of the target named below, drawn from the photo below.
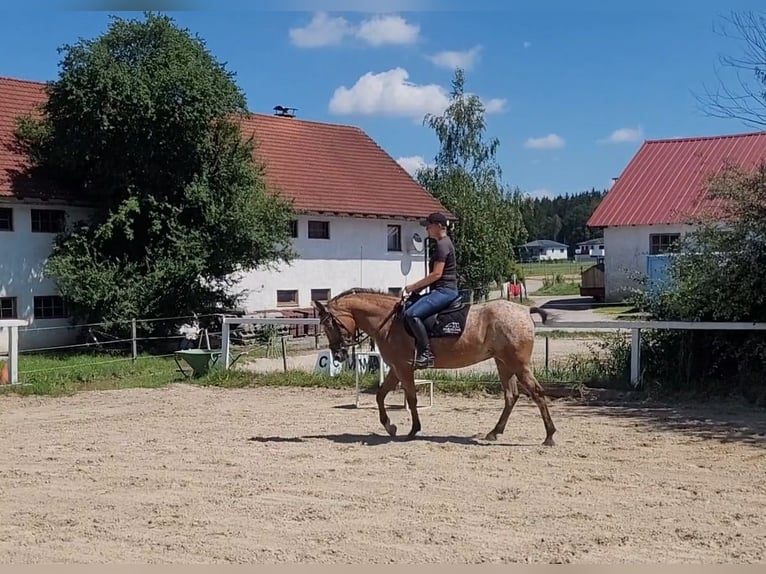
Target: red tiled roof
(322, 167)
(665, 180)
(18, 97)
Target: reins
(354, 339)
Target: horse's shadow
(375, 439)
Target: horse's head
(339, 328)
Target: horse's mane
(360, 290)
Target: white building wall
(626, 249)
(355, 255)
(23, 254)
(554, 254)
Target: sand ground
(191, 474)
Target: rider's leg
(426, 306)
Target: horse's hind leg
(389, 383)
(529, 382)
(510, 395)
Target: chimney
(284, 112)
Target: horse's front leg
(389, 384)
(410, 392)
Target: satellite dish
(417, 242)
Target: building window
(287, 297)
(6, 219)
(322, 295)
(394, 237)
(293, 228)
(319, 230)
(48, 220)
(50, 307)
(395, 291)
(662, 242)
(8, 308)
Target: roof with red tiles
(324, 168)
(665, 181)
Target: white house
(650, 205)
(357, 212)
(544, 250)
(590, 249)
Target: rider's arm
(442, 251)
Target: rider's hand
(409, 288)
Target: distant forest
(562, 218)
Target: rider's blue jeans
(431, 303)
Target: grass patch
(559, 288)
(58, 375)
(543, 268)
(619, 311)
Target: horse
(461, 335)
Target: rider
(442, 278)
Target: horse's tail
(542, 312)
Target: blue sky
(572, 91)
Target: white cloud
(551, 141)
(324, 30)
(321, 31)
(381, 30)
(623, 135)
(494, 105)
(452, 59)
(390, 93)
(412, 163)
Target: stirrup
(423, 361)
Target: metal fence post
(635, 356)
(225, 342)
(134, 342)
(13, 354)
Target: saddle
(449, 322)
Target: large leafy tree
(467, 179)
(144, 124)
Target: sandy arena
(188, 474)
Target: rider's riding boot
(424, 357)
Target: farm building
(357, 213)
(650, 205)
(543, 250)
(589, 249)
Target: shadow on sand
(725, 422)
(374, 439)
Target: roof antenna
(284, 111)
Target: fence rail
(635, 327)
(229, 322)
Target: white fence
(635, 327)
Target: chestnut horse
(500, 329)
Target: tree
(717, 273)
(144, 124)
(466, 178)
(562, 218)
(747, 102)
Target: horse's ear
(320, 307)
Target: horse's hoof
(549, 442)
(491, 436)
(391, 429)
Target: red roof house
(325, 168)
(665, 181)
(656, 200)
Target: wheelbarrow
(201, 361)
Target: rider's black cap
(436, 217)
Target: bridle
(349, 339)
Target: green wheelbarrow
(201, 361)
